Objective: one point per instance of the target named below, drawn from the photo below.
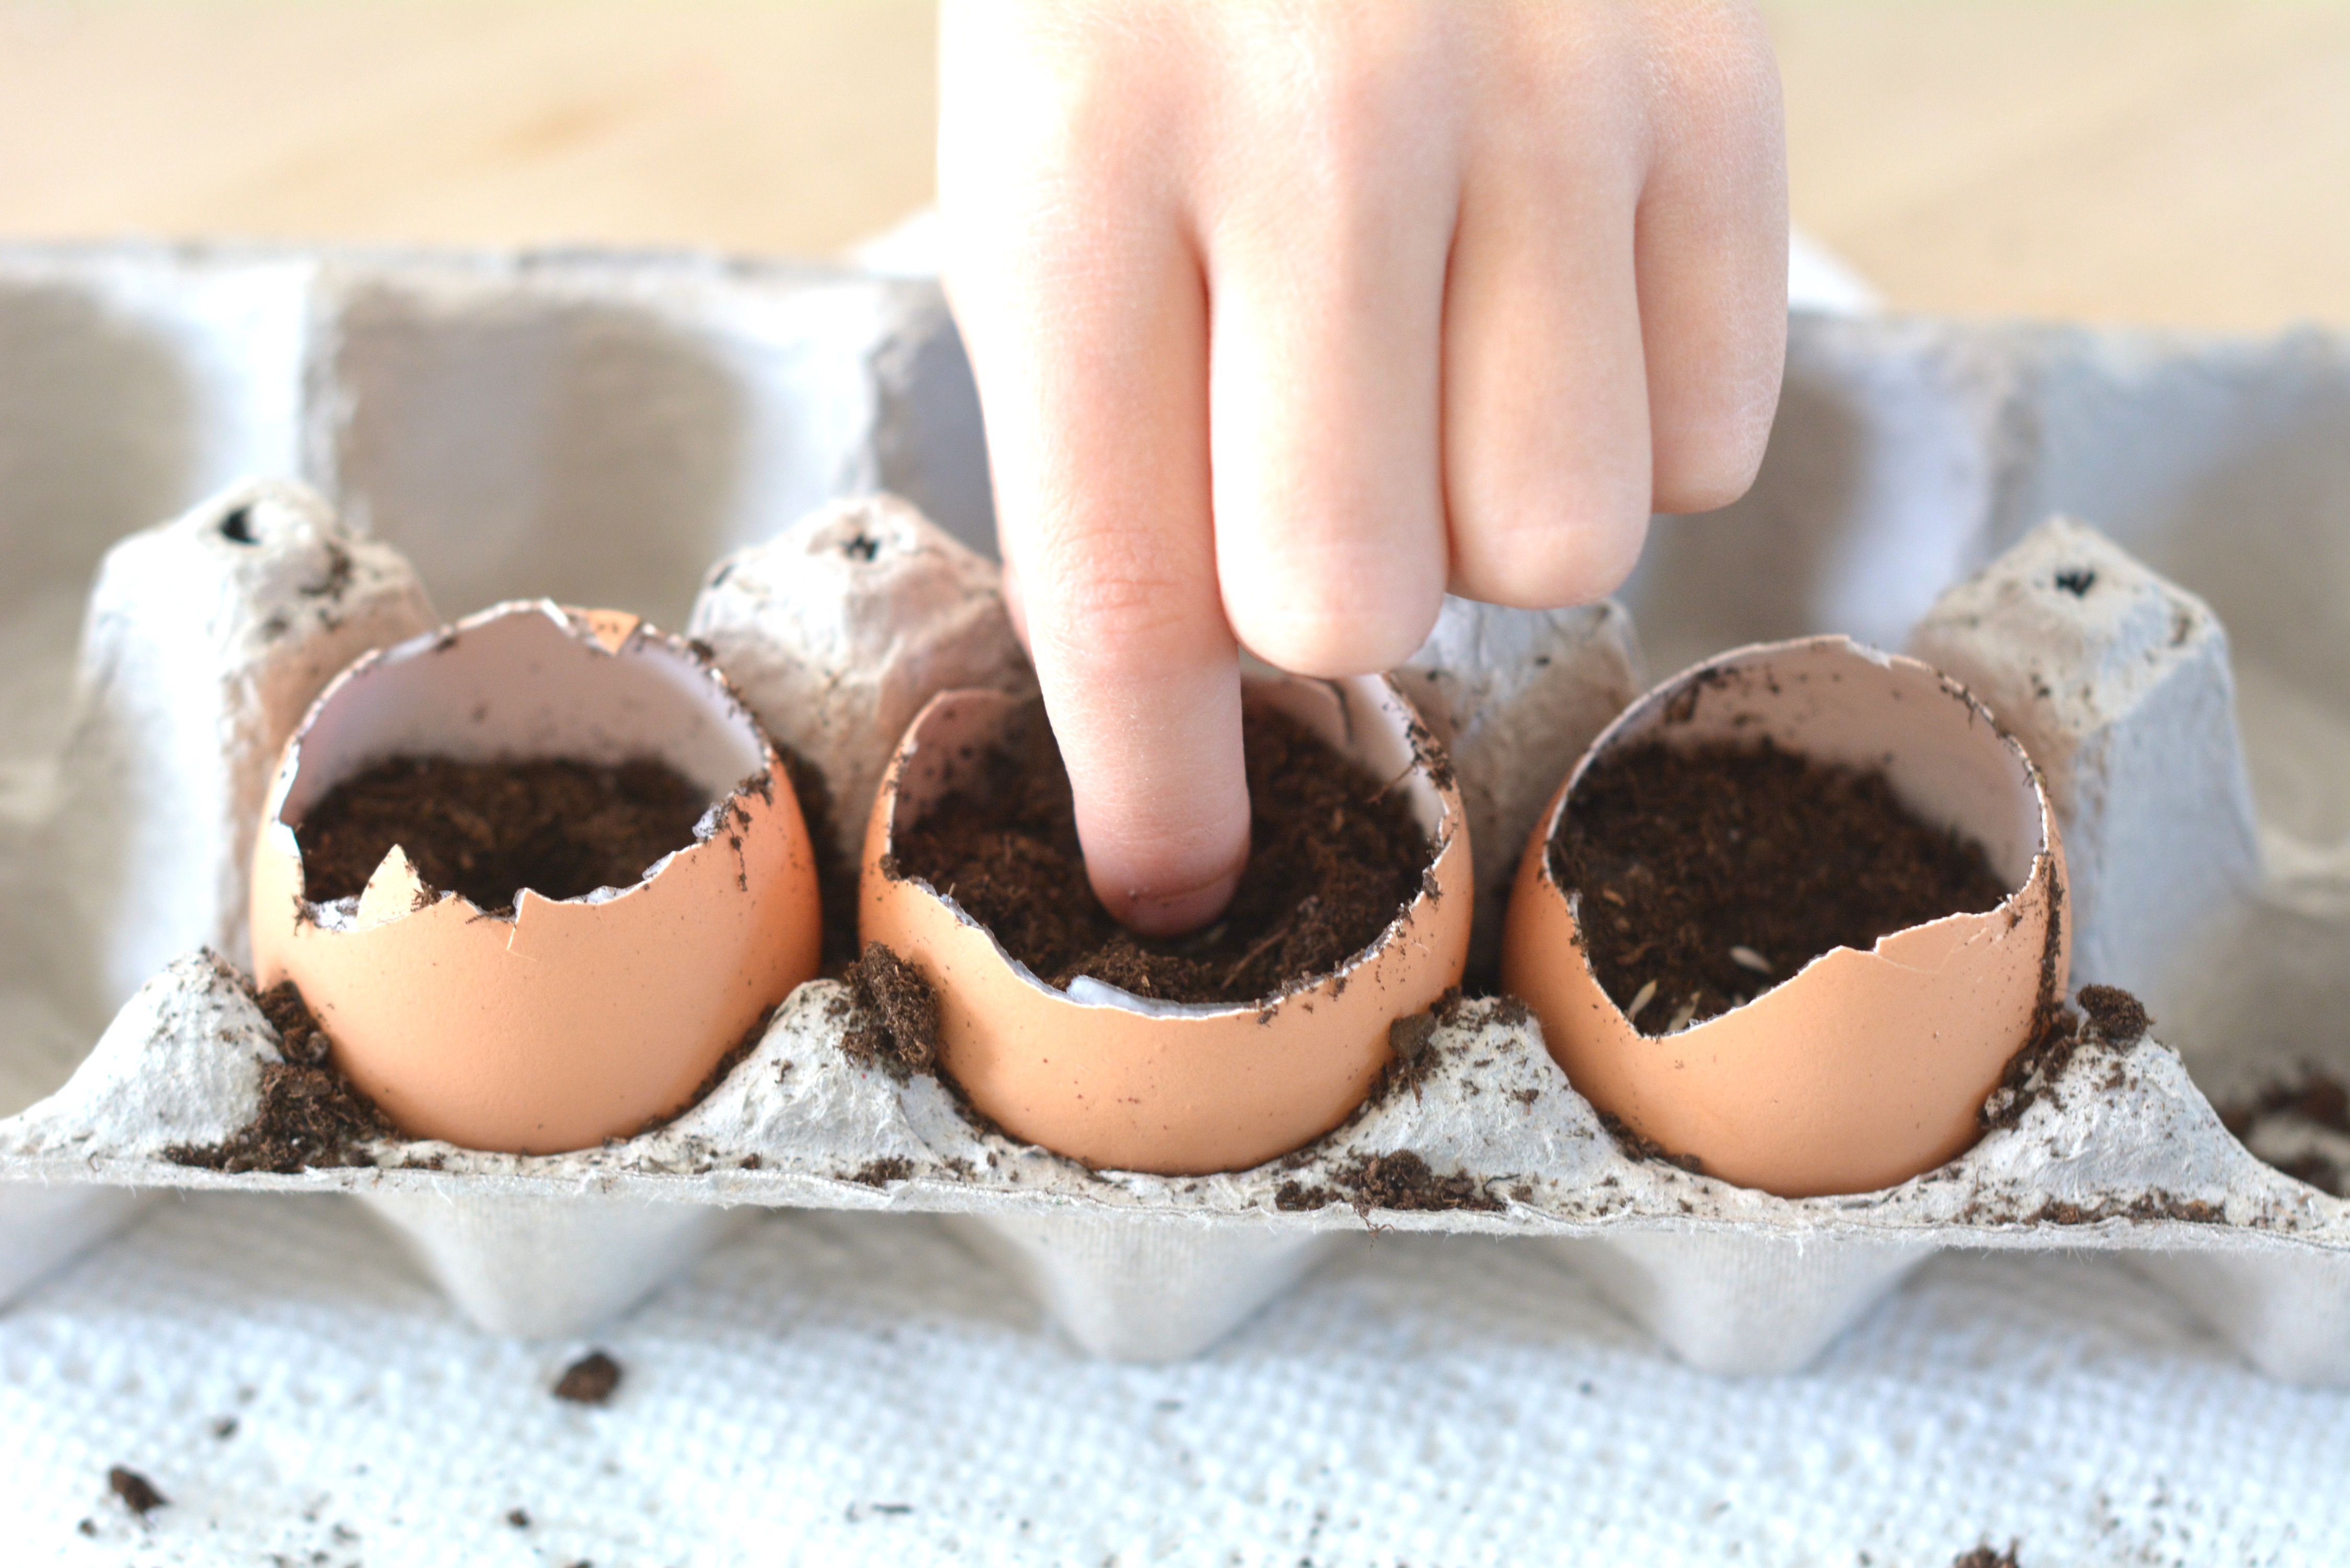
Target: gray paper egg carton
(601, 427)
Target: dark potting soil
(2316, 1098)
(1988, 1557)
(311, 1116)
(1709, 874)
(1333, 856)
(137, 1492)
(591, 1380)
(487, 830)
(1401, 1180)
(897, 1029)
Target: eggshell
(1176, 1089)
(572, 1020)
(1863, 1068)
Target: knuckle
(1559, 559)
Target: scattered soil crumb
(590, 1380)
(1706, 876)
(1638, 1145)
(883, 1171)
(311, 1117)
(559, 827)
(1401, 1180)
(137, 1492)
(519, 1518)
(2154, 1204)
(1335, 856)
(1989, 1557)
(897, 1029)
(2301, 1125)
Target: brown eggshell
(573, 1020)
(1862, 1069)
(1193, 1088)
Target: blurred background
(2182, 162)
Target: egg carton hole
(1901, 464)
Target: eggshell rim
(613, 631)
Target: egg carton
(500, 425)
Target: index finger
(1088, 341)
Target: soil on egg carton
(309, 1116)
(1334, 857)
(1710, 873)
(2315, 1099)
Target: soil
(2314, 1098)
(2119, 1018)
(137, 1492)
(590, 1380)
(311, 1116)
(1709, 874)
(897, 1026)
(1335, 857)
(1401, 1180)
(487, 830)
(1988, 1557)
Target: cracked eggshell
(573, 1020)
(1174, 1089)
(1863, 1069)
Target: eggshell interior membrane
(1862, 1069)
(1176, 1089)
(574, 1020)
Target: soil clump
(1335, 856)
(1709, 874)
(590, 1380)
(1988, 1557)
(311, 1116)
(138, 1493)
(2287, 1113)
(1401, 1181)
(557, 827)
(897, 1029)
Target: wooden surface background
(2180, 161)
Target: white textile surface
(847, 1388)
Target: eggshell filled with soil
(510, 1019)
(1174, 1087)
(1854, 1069)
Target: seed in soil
(1335, 857)
(559, 827)
(1707, 870)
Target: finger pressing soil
(1707, 875)
(1334, 857)
(488, 829)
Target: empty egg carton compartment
(602, 429)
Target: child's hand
(1287, 316)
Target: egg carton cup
(1906, 500)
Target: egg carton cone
(603, 429)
